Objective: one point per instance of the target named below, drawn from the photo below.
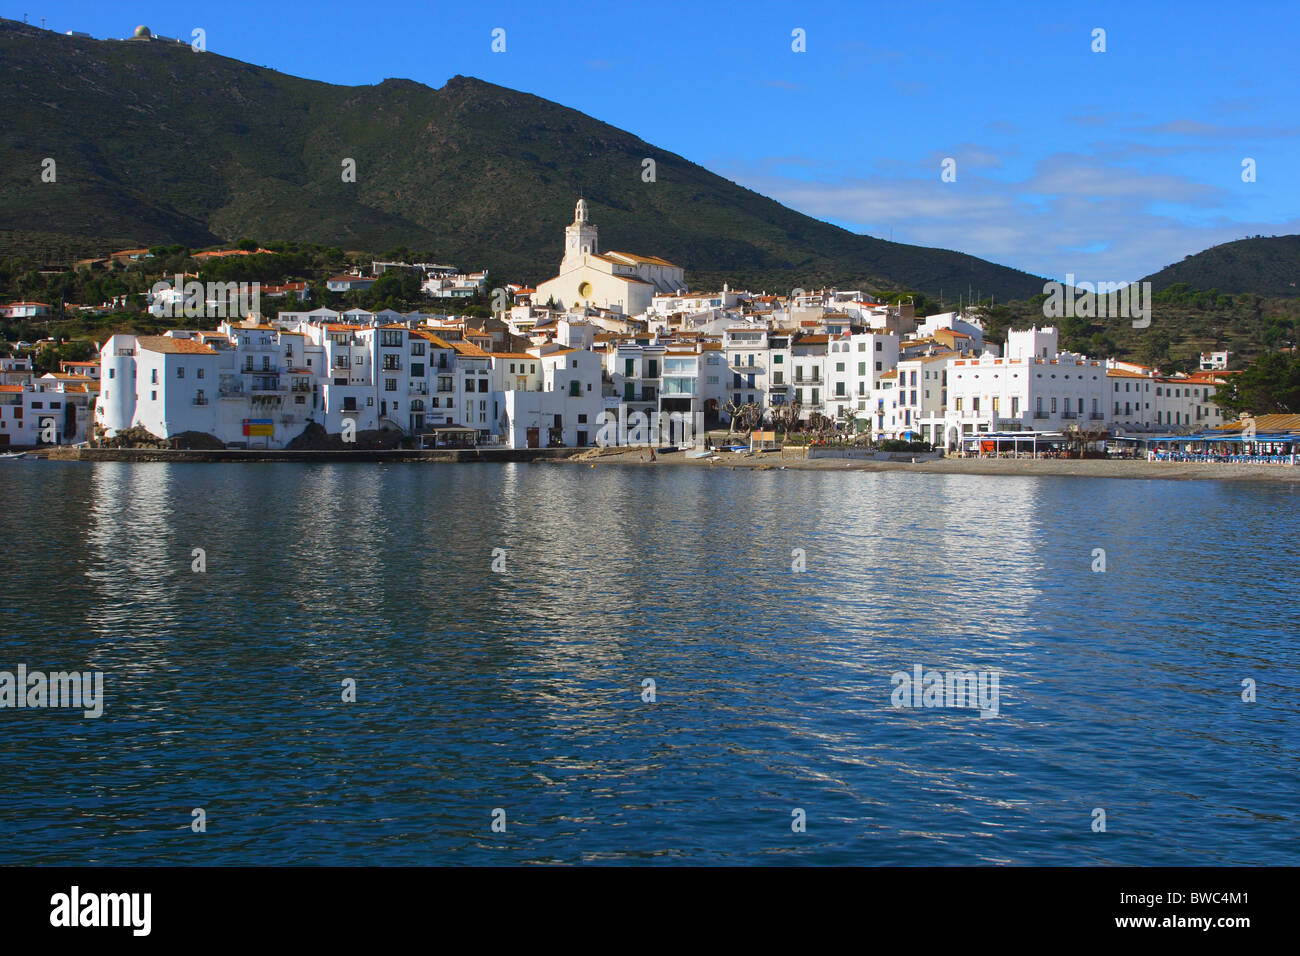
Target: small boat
(13, 454)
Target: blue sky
(1105, 165)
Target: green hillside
(155, 142)
(1267, 266)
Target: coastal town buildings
(613, 339)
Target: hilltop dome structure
(142, 32)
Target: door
(532, 437)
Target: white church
(617, 281)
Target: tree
(785, 418)
(1270, 386)
(1154, 350)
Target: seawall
(351, 454)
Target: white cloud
(1072, 214)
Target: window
(200, 373)
(390, 385)
(879, 346)
(180, 371)
(153, 375)
(111, 371)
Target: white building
(1034, 388)
(618, 281)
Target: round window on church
(584, 290)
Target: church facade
(618, 281)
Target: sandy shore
(1085, 468)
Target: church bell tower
(579, 238)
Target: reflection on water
(522, 689)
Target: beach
(1023, 467)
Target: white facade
(618, 281)
(1028, 393)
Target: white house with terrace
(1034, 388)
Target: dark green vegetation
(1270, 386)
(1267, 266)
(1184, 323)
(159, 143)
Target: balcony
(1096, 416)
(419, 388)
(200, 400)
(300, 388)
(1069, 415)
(1040, 415)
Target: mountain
(154, 141)
(1267, 266)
